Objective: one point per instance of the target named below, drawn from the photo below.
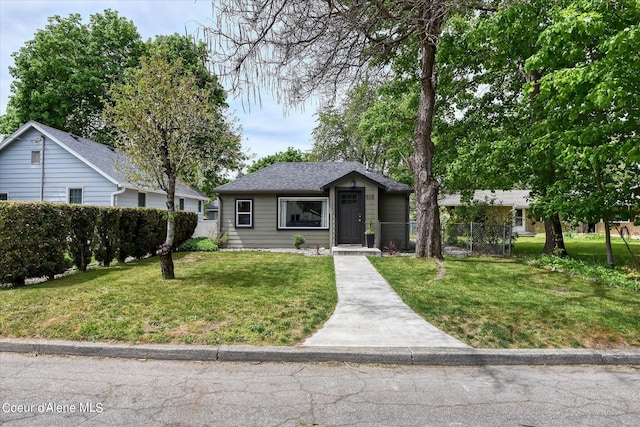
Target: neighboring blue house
(40, 163)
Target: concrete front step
(354, 250)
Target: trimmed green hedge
(34, 237)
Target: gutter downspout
(42, 141)
(116, 193)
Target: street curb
(376, 355)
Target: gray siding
(62, 170)
(394, 209)
(265, 233)
(379, 206)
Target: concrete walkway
(370, 314)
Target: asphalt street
(89, 391)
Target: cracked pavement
(90, 391)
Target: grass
(262, 298)
(587, 248)
(217, 298)
(504, 303)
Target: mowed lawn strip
(587, 248)
(502, 303)
(255, 298)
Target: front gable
(34, 167)
(69, 164)
(329, 203)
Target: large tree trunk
(428, 240)
(164, 252)
(554, 239)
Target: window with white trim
(244, 213)
(303, 212)
(35, 157)
(519, 217)
(142, 200)
(4, 196)
(75, 195)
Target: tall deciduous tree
(168, 126)
(60, 76)
(373, 126)
(305, 47)
(590, 108)
(193, 56)
(487, 130)
(548, 95)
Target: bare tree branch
(301, 48)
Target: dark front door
(351, 218)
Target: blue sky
(266, 129)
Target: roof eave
(270, 191)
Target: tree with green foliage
(169, 126)
(291, 155)
(590, 110)
(60, 76)
(485, 129)
(542, 96)
(337, 137)
(301, 47)
(193, 56)
(371, 127)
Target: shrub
(222, 241)
(32, 241)
(298, 240)
(186, 223)
(598, 273)
(34, 237)
(199, 244)
(127, 233)
(107, 235)
(82, 228)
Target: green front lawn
(585, 247)
(218, 298)
(502, 303)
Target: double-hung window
(303, 212)
(244, 213)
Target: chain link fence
(462, 239)
(477, 238)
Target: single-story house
(516, 202)
(519, 201)
(328, 203)
(40, 163)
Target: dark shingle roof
(108, 161)
(310, 177)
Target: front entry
(351, 216)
